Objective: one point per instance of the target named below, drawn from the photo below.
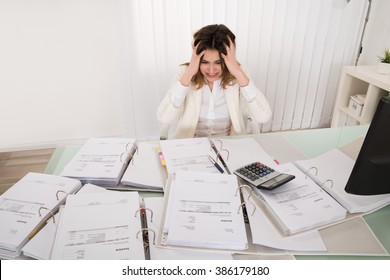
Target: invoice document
(99, 226)
(203, 210)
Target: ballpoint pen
(219, 157)
(216, 164)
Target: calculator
(262, 176)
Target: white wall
(61, 71)
(377, 36)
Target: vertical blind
(294, 51)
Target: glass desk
(286, 147)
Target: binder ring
(244, 204)
(120, 157)
(329, 180)
(144, 209)
(219, 154)
(132, 160)
(60, 191)
(220, 141)
(245, 186)
(51, 213)
(127, 147)
(239, 188)
(147, 229)
(313, 167)
(241, 206)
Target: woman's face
(211, 65)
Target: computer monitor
(371, 172)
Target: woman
(210, 91)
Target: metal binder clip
(51, 213)
(60, 191)
(147, 230)
(151, 213)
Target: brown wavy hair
(214, 37)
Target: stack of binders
(27, 206)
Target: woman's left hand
(232, 64)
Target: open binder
(300, 205)
(41, 245)
(28, 205)
(101, 161)
(192, 154)
(100, 225)
(203, 210)
(331, 171)
(126, 231)
(145, 171)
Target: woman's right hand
(193, 67)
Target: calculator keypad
(256, 173)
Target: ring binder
(147, 230)
(60, 191)
(144, 208)
(51, 213)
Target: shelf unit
(359, 80)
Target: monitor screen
(371, 172)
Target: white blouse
(214, 118)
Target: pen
(219, 157)
(216, 164)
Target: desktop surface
(288, 147)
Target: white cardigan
(188, 114)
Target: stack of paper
(27, 205)
(203, 210)
(101, 161)
(41, 245)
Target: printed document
(190, 154)
(301, 204)
(99, 226)
(203, 210)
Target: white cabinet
(359, 80)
